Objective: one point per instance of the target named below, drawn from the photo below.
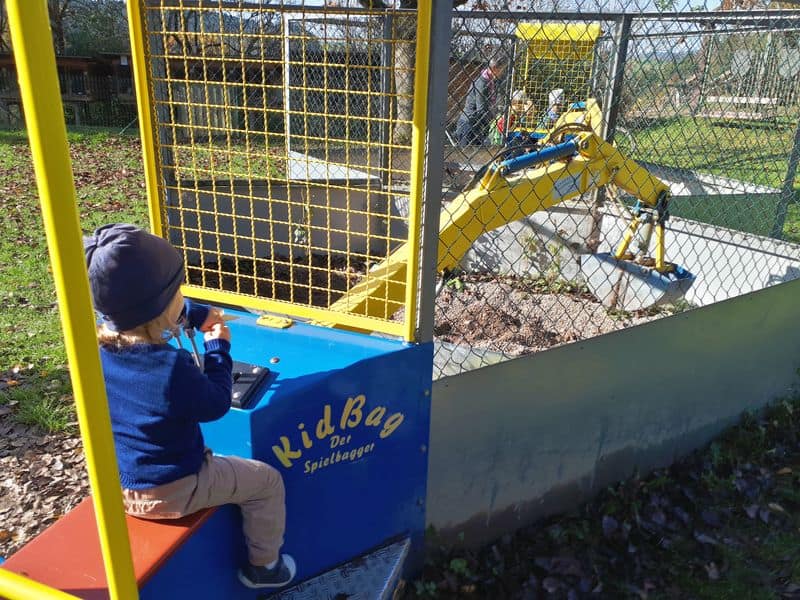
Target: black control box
(249, 383)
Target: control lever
(190, 333)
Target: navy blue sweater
(157, 397)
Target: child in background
(158, 396)
(555, 104)
(517, 116)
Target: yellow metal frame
(422, 68)
(29, 24)
(44, 115)
(143, 104)
(554, 55)
(211, 72)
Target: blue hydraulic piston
(562, 150)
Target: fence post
(787, 189)
(509, 90)
(622, 32)
(441, 31)
(287, 83)
(386, 96)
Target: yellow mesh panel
(554, 56)
(272, 133)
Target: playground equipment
(344, 416)
(554, 55)
(535, 175)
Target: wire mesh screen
(577, 142)
(550, 55)
(283, 138)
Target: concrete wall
(266, 218)
(517, 441)
(326, 206)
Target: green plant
(425, 589)
(459, 567)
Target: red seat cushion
(67, 554)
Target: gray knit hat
(133, 275)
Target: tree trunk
(5, 44)
(57, 10)
(405, 31)
(404, 59)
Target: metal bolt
(420, 501)
(423, 448)
(236, 395)
(427, 392)
(256, 370)
(274, 360)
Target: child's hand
(218, 331)
(214, 318)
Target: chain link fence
(283, 131)
(705, 102)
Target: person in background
(517, 115)
(480, 107)
(555, 104)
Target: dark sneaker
(262, 577)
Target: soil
(509, 315)
(314, 280)
(517, 316)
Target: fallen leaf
(564, 565)
(775, 507)
(711, 518)
(610, 525)
(704, 538)
(551, 585)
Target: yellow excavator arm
(573, 161)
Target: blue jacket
(157, 398)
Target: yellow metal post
(418, 139)
(17, 587)
(143, 106)
(38, 83)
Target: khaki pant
(255, 486)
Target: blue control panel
(345, 418)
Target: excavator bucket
(627, 286)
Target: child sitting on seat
(158, 396)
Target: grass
(109, 182)
(235, 161)
(738, 151)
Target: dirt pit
(505, 314)
(517, 316)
